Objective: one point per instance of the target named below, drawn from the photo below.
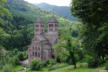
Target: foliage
(7, 68)
(95, 26)
(5, 15)
(88, 10)
(93, 63)
(106, 65)
(68, 49)
(49, 62)
(36, 64)
(87, 58)
(14, 61)
(61, 54)
(22, 55)
(9, 58)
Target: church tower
(39, 26)
(52, 24)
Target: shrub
(83, 65)
(106, 65)
(36, 64)
(7, 68)
(22, 55)
(93, 63)
(49, 62)
(14, 60)
(86, 58)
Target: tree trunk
(73, 59)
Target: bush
(93, 63)
(36, 64)
(49, 62)
(22, 55)
(14, 60)
(87, 58)
(7, 68)
(106, 65)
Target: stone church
(42, 44)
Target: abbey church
(42, 44)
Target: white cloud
(52, 2)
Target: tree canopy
(94, 32)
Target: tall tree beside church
(94, 15)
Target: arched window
(38, 54)
(42, 30)
(42, 25)
(50, 25)
(33, 47)
(38, 48)
(37, 25)
(35, 53)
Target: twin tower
(39, 25)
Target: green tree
(71, 50)
(94, 15)
(5, 15)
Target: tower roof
(39, 20)
(53, 20)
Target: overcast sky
(52, 2)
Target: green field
(15, 69)
(67, 68)
(61, 68)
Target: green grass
(66, 68)
(16, 68)
(81, 67)
(77, 70)
(71, 70)
(1, 71)
(58, 66)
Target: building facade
(42, 44)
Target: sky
(52, 2)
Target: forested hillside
(20, 28)
(63, 11)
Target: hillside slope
(21, 29)
(60, 10)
